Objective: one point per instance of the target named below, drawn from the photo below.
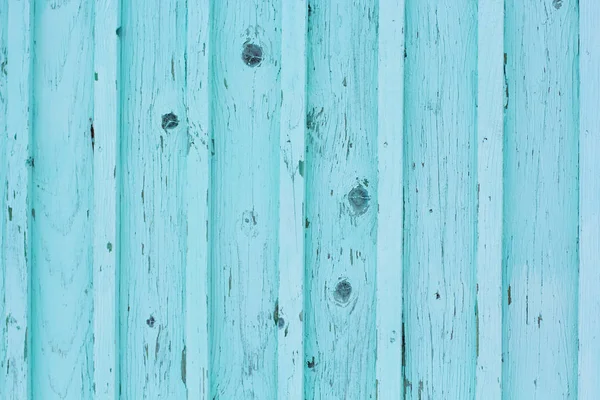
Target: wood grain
(490, 119)
(16, 36)
(341, 200)
(244, 217)
(290, 361)
(589, 200)
(541, 200)
(105, 242)
(440, 197)
(62, 201)
(390, 218)
(196, 358)
(154, 146)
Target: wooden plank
(540, 200)
(15, 232)
(341, 200)
(390, 150)
(291, 199)
(244, 220)
(440, 199)
(154, 148)
(490, 119)
(62, 201)
(589, 202)
(105, 152)
(196, 357)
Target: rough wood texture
(15, 177)
(105, 125)
(540, 200)
(303, 199)
(589, 200)
(245, 126)
(341, 200)
(390, 151)
(154, 146)
(195, 361)
(62, 201)
(440, 195)
(290, 361)
(490, 118)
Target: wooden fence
(299, 199)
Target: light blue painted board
(195, 360)
(440, 192)
(244, 200)
(62, 201)
(589, 200)
(154, 145)
(15, 233)
(341, 200)
(490, 119)
(390, 145)
(540, 200)
(290, 361)
(105, 159)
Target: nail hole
(359, 199)
(169, 121)
(343, 290)
(280, 323)
(252, 54)
(557, 4)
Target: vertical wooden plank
(195, 357)
(341, 200)
(245, 119)
(291, 199)
(589, 201)
(490, 120)
(390, 150)
(440, 199)
(15, 250)
(105, 128)
(62, 201)
(541, 199)
(154, 148)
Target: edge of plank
(490, 117)
(195, 359)
(291, 200)
(589, 202)
(390, 246)
(17, 235)
(105, 127)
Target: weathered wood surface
(305, 199)
(540, 249)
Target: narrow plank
(390, 150)
(490, 120)
(440, 191)
(154, 148)
(245, 124)
(341, 200)
(291, 199)
(589, 201)
(15, 232)
(105, 152)
(196, 356)
(540, 200)
(62, 200)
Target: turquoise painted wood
(304, 199)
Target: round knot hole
(252, 54)
(359, 198)
(342, 292)
(169, 121)
(150, 321)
